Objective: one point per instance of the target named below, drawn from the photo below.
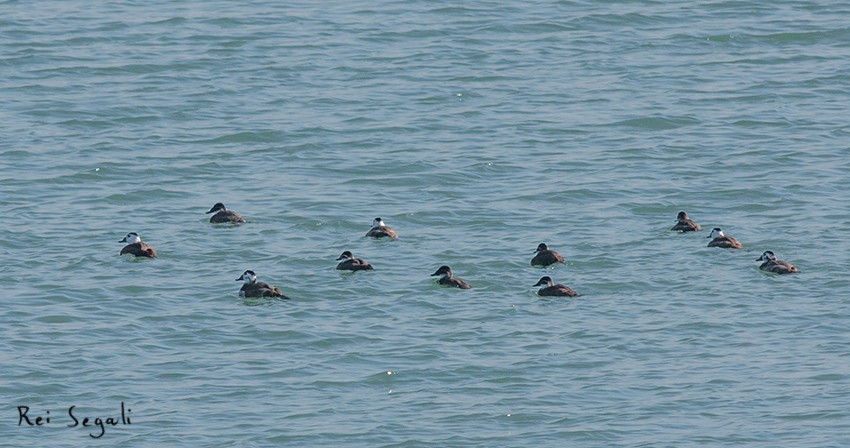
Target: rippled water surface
(477, 131)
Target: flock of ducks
(543, 257)
(719, 239)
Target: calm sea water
(476, 131)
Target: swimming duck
(448, 280)
(224, 215)
(251, 288)
(553, 290)
(380, 230)
(721, 240)
(771, 264)
(136, 247)
(350, 263)
(684, 224)
(545, 257)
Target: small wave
(247, 137)
(657, 123)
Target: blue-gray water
(476, 132)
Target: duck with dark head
(546, 256)
(446, 278)
(684, 224)
(224, 215)
(550, 289)
(349, 263)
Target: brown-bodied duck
(252, 288)
(771, 264)
(721, 240)
(136, 247)
(446, 278)
(349, 263)
(684, 224)
(554, 290)
(546, 256)
(224, 215)
(380, 230)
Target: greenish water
(476, 132)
